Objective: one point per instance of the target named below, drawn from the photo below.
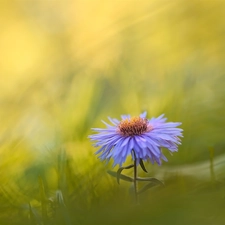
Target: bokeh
(67, 65)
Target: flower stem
(135, 180)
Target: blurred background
(67, 65)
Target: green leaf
(119, 171)
(121, 176)
(31, 214)
(143, 166)
(151, 179)
(63, 208)
(43, 200)
(118, 174)
(34, 216)
(153, 182)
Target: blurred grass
(67, 65)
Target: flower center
(134, 126)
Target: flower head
(145, 137)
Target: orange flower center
(134, 126)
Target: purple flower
(145, 137)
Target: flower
(144, 137)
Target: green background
(67, 65)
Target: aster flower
(141, 137)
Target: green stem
(135, 180)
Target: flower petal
(146, 144)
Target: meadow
(67, 65)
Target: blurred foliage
(67, 65)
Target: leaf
(119, 171)
(34, 216)
(59, 197)
(146, 187)
(143, 166)
(151, 179)
(43, 199)
(118, 174)
(31, 214)
(121, 176)
(63, 208)
(153, 182)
